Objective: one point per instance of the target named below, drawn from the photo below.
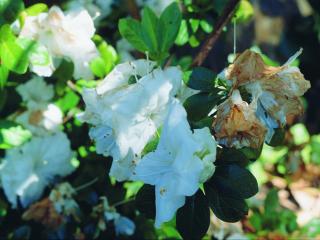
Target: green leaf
(193, 219)
(198, 106)
(12, 134)
(228, 208)
(227, 189)
(145, 201)
(232, 155)
(98, 68)
(278, 137)
(131, 30)
(68, 101)
(170, 21)
(300, 134)
(183, 34)
(236, 179)
(201, 79)
(244, 11)
(4, 73)
(9, 10)
(271, 203)
(150, 31)
(206, 25)
(36, 9)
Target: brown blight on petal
(236, 124)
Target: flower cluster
(127, 111)
(63, 36)
(27, 169)
(274, 96)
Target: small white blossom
(126, 116)
(64, 36)
(27, 170)
(62, 199)
(181, 161)
(124, 226)
(36, 92)
(41, 121)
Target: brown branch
(133, 9)
(209, 43)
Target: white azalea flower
(64, 36)
(35, 92)
(126, 116)
(41, 121)
(179, 163)
(28, 169)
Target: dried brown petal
(236, 124)
(45, 213)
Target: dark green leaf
(201, 79)
(278, 137)
(9, 10)
(232, 155)
(271, 203)
(237, 180)
(228, 208)
(193, 218)
(145, 201)
(170, 21)
(199, 105)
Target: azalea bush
(115, 124)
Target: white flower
(178, 164)
(64, 36)
(28, 169)
(62, 199)
(126, 116)
(35, 92)
(124, 226)
(41, 121)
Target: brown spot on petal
(35, 117)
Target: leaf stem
(210, 42)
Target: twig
(209, 43)
(79, 188)
(123, 202)
(133, 9)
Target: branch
(210, 42)
(133, 9)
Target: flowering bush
(108, 127)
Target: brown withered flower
(236, 124)
(276, 90)
(45, 213)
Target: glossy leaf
(193, 218)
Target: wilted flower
(64, 36)
(276, 90)
(28, 169)
(62, 199)
(180, 162)
(237, 125)
(106, 213)
(126, 116)
(44, 213)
